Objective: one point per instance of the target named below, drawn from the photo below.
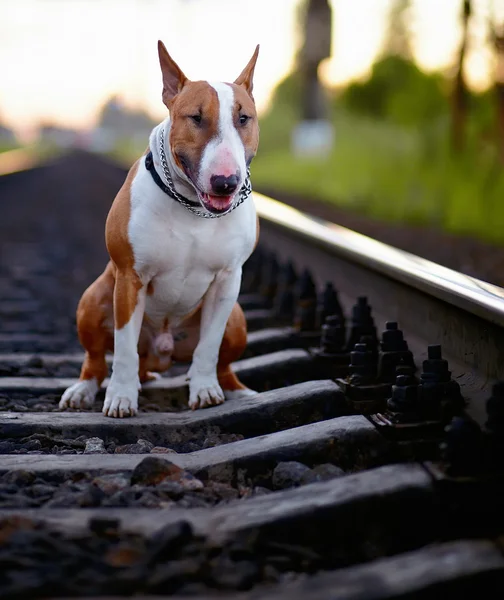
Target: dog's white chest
(180, 254)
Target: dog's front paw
(204, 391)
(121, 400)
(79, 395)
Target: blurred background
(388, 109)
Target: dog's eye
(243, 119)
(196, 118)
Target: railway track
(370, 465)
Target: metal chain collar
(243, 194)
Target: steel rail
(468, 293)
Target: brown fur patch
(173, 78)
(187, 138)
(95, 307)
(233, 344)
(127, 281)
(228, 380)
(249, 133)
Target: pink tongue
(218, 202)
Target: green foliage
(399, 91)
(393, 172)
(7, 146)
(287, 94)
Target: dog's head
(214, 131)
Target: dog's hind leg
(94, 315)
(232, 347)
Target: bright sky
(61, 59)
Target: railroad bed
(369, 466)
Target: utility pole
(497, 38)
(459, 99)
(314, 134)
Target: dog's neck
(180, 180)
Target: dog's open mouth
(216, 204)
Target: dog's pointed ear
(173, 78)
(245, 78)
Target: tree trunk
(460, 96)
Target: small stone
(153, 470)
(111, 483)
(42, 407)
(223, 490)
(62, 501)
(145, 444)
(19, 478)
(19, 501)
(291, 474)
(95, 445)
(327, 471)
(140, 447)
(40, 489)
(188, 481)
(127, 449)
(123, 555)
(168, 540)
(170, 489)
(10, 526)
(7, 447)
(90, 497)
(235, 575)
(33, 372)
(171, 575)
(35, 362)
(148, 500)
(121, 498)
(8, 488)
(161, 450)
(7, 370)
(33, 445)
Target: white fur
(220, 298)
(80, 395)
(187, 259)
(121, 398)
(224, 154)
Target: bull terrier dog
(177, 233)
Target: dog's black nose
(224, 185)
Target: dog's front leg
(121, 398)
(204, 389)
